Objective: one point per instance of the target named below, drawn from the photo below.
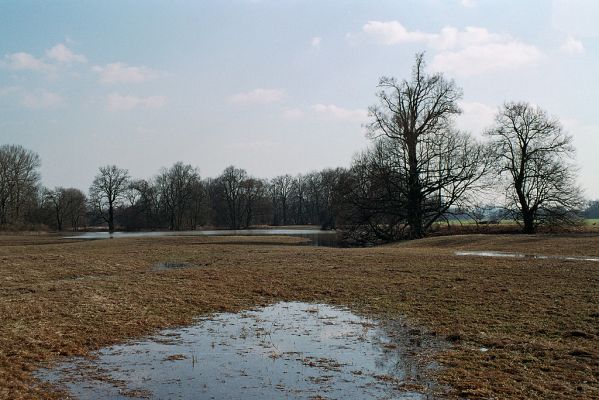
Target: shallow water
(521, 255)
(287, 350)
(317, 237)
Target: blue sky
(273, 86)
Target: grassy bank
(538, 318)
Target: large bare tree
(107, 191)
(437, 164)
(534, 156)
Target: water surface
(522, 255)
(317, 237)
(287, 350)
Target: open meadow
(536, 320)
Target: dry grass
(538, 318)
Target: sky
(274, 86)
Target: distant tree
(253, 192)
(298, 200)
(107, 192)
(437, 164)
(314, 197)
(75, 207)
(534, 157)
(176, 186)
(592, 210)
(197, 206)
(231, 183)
(329, 195)
(67, 205)
(19, 179)
(147, 208)
(281, 188)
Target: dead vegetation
(520, 328)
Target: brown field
(538, 318)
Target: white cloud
(123, 73)
(471, 51)
(489, 57)
(316, 41)
(118, 102)
(41, 99)
(326, 111)
(572, 46)
(468, 3)
(393, 32)
(475, 117)
(63, 54)
(258, 96)
(24, 61)
(340, 113)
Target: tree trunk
(414, 217)
(414, 206)
(110, 218)
(58, 221)
(529, 222)
(528, 213)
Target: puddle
(287, 350)
(165, 266)
(521, 255)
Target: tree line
(418, 171)
(177, 198)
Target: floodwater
(287, 350)
(521, 255)
(317, 237)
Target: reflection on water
(317, 237)
(521, 255)
(288, 350)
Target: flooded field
(287, 350)
(317, 237)
(518, 328)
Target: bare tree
(67, 205)
(373, 194)
(19, 180)
(534, 157)
(197, 203)
(298, 200)
(280, 188)
(107, 191)
(147, 202)
(75, 207)
(329, 195)
(438, 165)
(231, 184)
(176, 186)
(54, 199)
(253, 190)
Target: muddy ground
(538, 319)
